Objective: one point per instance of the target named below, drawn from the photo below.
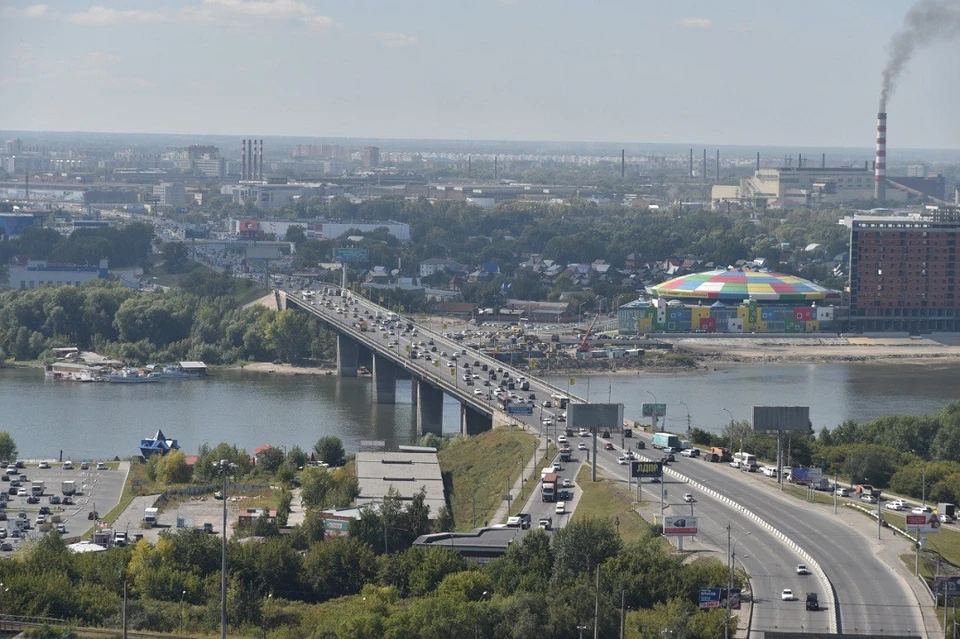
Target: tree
(172, 468)
(329, 449)
(269, 459)
(175, 257)
(582, 545)
(8, 447)
(337, 567)
(288, 334)
(296, 234)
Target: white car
(946, 519)
(786, 595)
(477, 392)
(922, 510)
(567, 483)
(802, 570)
(581, 446)
(894, 505)
(561, 507)
(843, 492)
(623, 460)
(688, 497)
(868, 499)
(44, 464)
(562, 439)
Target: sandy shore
(285, 369)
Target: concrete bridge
(451, 368)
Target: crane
(583, 344)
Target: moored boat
(132, 376)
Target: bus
(559, 401)
(745, 461)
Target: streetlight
(223, 468)
(581, 629)
(655, 403)
(688, 415)
(733, 556)
(182, 595)
(476, 622)
(727, 411)
(580, 313)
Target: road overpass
(463, 373)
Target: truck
(548, 488)
(867, 489)
(150, 516)
(949, 510)
(813, 601)
(665, 440)
(720, 454)
(36, 488)
(69, 487)
(520, 520)
(362, 325)
(565, 453)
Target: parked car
(44, 464)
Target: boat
(132, 376)
(195, 370)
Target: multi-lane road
(871, 597)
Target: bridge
(367, 332)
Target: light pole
(476, 622)
(223, 467)
(688, 415)
(182, 595)
(655, 402)
(580, 313)
(727, 411)
(733, 556)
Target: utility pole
(623, 613)
(596, 608)
(726, 625)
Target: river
(96, 421)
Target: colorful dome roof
(738, 285)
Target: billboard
(947, 585)
(717, 598)
(679, 525)
(648, 410)
(646, 469)
(519, 409)
(926, 523)
(600, 416)
(351, 255)
(806, 476)
(781, 418)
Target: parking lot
(95, 489)
(194, 512)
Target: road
(871, 597)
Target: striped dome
(739, 285)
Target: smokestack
(799, 160)
(495, 167)
(823, 161)
(243, 160)
(718, 165)
(703, 176)
(880, 166)
(623, 162)
(691, 162)
(758, 160)
(469, 167)
(261, 160)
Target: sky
(738, 72)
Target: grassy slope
(480, 468)
(605, 498)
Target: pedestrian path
(500, 516)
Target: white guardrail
(830, 594)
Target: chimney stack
(880, 166)
(261, 160)
(243, 160)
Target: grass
(479, 469)
(819, 496)
(609, 499)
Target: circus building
(731, 301)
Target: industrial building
(315, 230)
(170, 194)
(731, 301)
(37, 273)
(903, 271)
(407, 471)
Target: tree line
(159, 327)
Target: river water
(105, 420)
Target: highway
(871, 597)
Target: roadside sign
(336, 525)
(508, 497)
(928, 523)
(947, 585)
(710, 597)
(682, 525)
(651, 409)
(351, 255)
(519, 409)
(646, 469)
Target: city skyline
(631, 72)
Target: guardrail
(830, 592)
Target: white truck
(150, 516)
(69, 487)
(36, 488)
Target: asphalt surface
(871, 597)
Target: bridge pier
(384, 380)
(348, 356)
(429, 409)
(473, 422)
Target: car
(6, 546)
(84, 466)
(3, 533)
(21, 492)
(68, 465)
(670, 457)
(843, 492)
(608, 446)
(33, 499)
(44, 464)
(567, 483)
(532, 396)
(44, 510)
(623, 460)
(581, 446)
(561, 507)
(556, 467)
(868, 499)
(802, 570)
(946, 519)
(688, 497)
(15, 483)
(66, 501)
(545, 523)
(813, 601)
(922, 510)
(893, 505)
(562, 439)
(547, 422)
(478, 391)
(62, 529)
(786, 595)
(41, 519)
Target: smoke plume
(927, 22)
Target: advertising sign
(680, 525)
(648, 410)
(947, 585)
(519, 409)
(710, 597)
(351, 255)
(806, 476)
(717, 598)
(336, 525)
(781, 418)
(927, 523)
(646, 469)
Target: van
(68, 465)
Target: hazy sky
(700, 71)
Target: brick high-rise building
(903, 271)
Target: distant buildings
(314, 230)
(170, 194)
(13, 224)
(371, 157)
(438, 264)
(904, 271)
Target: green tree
(172, 468)
(288, 334)
(8, 447)
(337, 567)
(175, 257)
(329, 449)
(269, 459)
(296, 234)
(582, 545)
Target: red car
(608, 446)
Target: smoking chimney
(243, 160)
(880, 166)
